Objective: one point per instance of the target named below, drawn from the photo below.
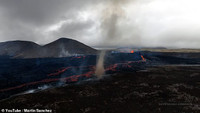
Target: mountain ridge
(62, 47)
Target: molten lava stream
(60, 71)
(72, 78)
(143, 58)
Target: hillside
(62, 47)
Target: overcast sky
(166, 23)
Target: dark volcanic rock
(18, 75)
(162, 89)
(62, 47)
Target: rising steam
(110, 18)
(100, 65)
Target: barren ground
(161, 89)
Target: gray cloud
(41, 12)
(103, 22)
(28, 19)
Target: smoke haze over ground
(152, 23)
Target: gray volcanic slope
(62, 47)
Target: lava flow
(143, 58)
(73, 78)
(71, 73)
(62, 70)
(59, 72)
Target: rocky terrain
(137, 82)
(19, 75)
(159, 89)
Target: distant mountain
(15, 48)
(62, 47)
(153, 48)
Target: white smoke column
(110, 18)
(100, 65)
(111, 15)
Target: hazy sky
(168, 23)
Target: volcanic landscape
(62, 76)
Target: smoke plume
(111, 16)
(100, 65)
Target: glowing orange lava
(143, 58)
(75, 78)
(72, 78)
(58, 72)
